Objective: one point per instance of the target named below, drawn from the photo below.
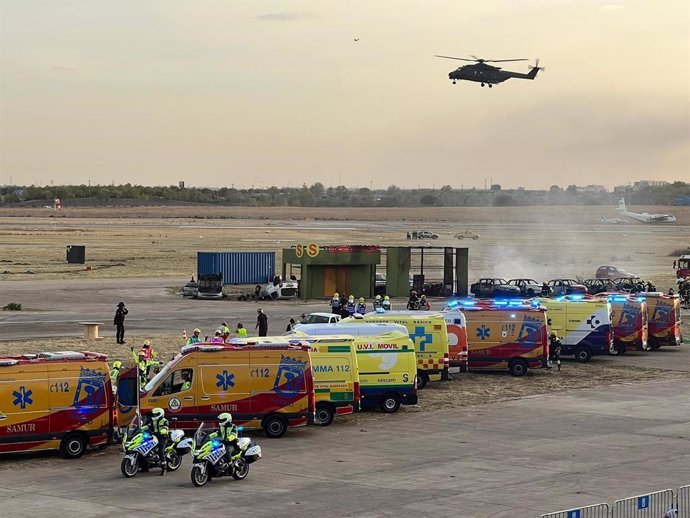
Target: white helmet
(157, 413)
(225, 418)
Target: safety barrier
(652, 505)
(659, 504)
(683, 502)
(591, 511)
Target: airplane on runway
(612, 221)
(644, 217)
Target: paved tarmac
(511, 459)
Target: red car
(612, 272)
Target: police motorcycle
(141, 449)
(209, 456)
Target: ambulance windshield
(157, 378)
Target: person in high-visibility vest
(241, 331)
(140, 362)
(159, 427)
(195, 338)
(114, 374)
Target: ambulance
(458, 348)
(629, 321)
(334, 368)
(503, 334)
(663, 312)
(268, 387)
(429, 334)
(386, 359)
(55, 400)
(583, 325)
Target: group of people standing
(223, 333)
(347, 306)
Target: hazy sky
(262, 92)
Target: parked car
(528, 287)
(566, 287)
(379, 284)
(190, 289)
(321, 318)
(466, 234)
(595, 286)
(421, 234)
(612, 272)
(493, 287)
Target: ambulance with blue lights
(583, 325)
(55, 400)
(263, 386)
(629, 321)
(503, 334)
(663, 313)
(429, 334)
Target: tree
(495, 187)
(572, 189)
(555, 189)
(428, 200)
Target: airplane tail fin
(621, 205)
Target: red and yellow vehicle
(664, 321)
(629, 322)
(504, 334)
(61, 400)
(265, 386)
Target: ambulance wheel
(73, 446)
(583, 354)
(275, 426)
(325, 414)
(619, 349)
(129, 467)
(518, 367)
(241, 471)
(389, 403)
(421, 379)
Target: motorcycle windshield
(134, 427)
(205, 429)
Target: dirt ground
(537, 242)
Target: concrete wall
(398, 271)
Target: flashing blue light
(500, 302)
(560, 299)
(617, 298)
(577, 297)
(380, 310)
(216, 443)
(240, 428)
(147, 435)
(641, 299)
(452, 303)
(468, 302)
(512, 315)
(515, 303)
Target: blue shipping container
(238, 267)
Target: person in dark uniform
(119, 322)
(555, 349)
(261, 322)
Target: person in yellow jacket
(241, 331)
(195, 338)
(158, 426)
(140, 361)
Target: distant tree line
(316, 195)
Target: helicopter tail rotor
(536, 66)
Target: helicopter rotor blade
(452, 57)
(505, 60)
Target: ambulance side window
(180, 380)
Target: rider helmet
(225, 418)
(117, 364)
(157, 413)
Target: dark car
(566, 287)
(631, 285)
(595, 286)
(528, 287)
(612, 272)
(494, 287)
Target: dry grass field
(539, 242)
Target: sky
(277, 92)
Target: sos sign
(312, 250)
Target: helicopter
(482, 72)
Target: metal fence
(683, 502)
(659, 504)
(652, 505)
(591, 511)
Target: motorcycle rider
(227, 432)
(361, 306)
(159, 427)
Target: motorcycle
(141, 449)
(209, 453)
